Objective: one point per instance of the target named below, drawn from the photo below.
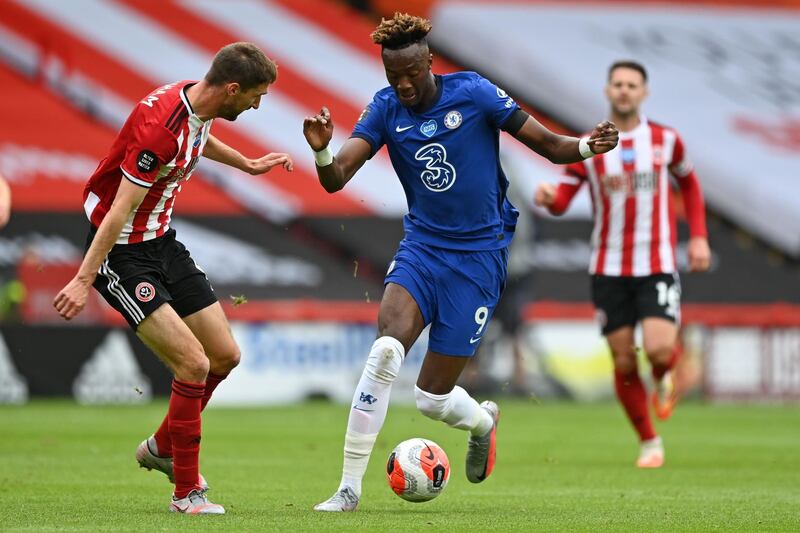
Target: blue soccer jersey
(447, 159)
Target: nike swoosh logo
(360, 409)
(473, 341)
(398, 129)
(430, 452)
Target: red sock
(660, 370)
(633, 397)
(163, 440)
(184, 429)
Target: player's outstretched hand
(699, 254)
(72, 298)
(545, 195)
(270, 161)
(318, 129)
(604, 137)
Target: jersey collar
(185, 99)
(635, 131)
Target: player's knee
(227, 361)
(433, 406)
(385, 359)
(624, 362)
(659, 351)
(193, 365)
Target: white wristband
(324, 157)
(584, 149)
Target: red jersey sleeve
(150, 145)
(692, 194)
(680, 165)
(568, 187)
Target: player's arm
(556, 198)
(698, 251)
(334, 172)
(72, 298)
(562, 149)
(5, 202)
(217, 150)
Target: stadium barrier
(294, 350)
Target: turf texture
(561, 467)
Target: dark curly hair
(400, 31)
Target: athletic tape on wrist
(324, 157)
(584, 149)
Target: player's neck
(626, 122)
(202, 100)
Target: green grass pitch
(561, 467)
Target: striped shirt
(634, 221)
(157, 148)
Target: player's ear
(232, 89)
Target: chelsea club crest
(452, 120)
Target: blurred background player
(149, 276)
(5, 201)
(442, 136)
(633, 267)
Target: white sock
(456, 409)
(369, 407)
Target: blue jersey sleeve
(370, 125)
(496, 105)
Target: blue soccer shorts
(456, 291)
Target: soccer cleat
(196, 502)
(481, 451)
(651, 454)
(149, 459)
(345, 500)
(664, 397)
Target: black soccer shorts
(625, 300)
(136, 279)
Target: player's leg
(171, 339)
(660, 344)
(439, 398)
(658, 304)
(195, 302)
(614, 299)
(211, 328)
(633, 396)
(467, 291)
(400, 322)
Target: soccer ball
(418, 470)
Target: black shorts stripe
(119, 293)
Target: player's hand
(268, 162)
(545, 195)
(72, 298)
(318, 129)
(604, 137)
(699, 254)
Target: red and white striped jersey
(158, 147)
(634, 220)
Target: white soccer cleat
(345, 500)
(651, 454)
(146, 456)
(196, 502)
